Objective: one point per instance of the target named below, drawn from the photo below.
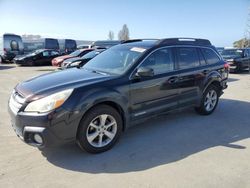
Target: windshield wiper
(99, 72)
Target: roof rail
(135, 40)
(193, 41)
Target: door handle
(173, 80)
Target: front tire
(99, 129)
(209, 101)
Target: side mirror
(144, 72)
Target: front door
(157, 93)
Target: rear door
(43, 58)
(157, 93)
(246, 58)
(191, 75)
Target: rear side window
(187, 57)
(161, 61)
(54, 53)
(210, 56)
(46, 54)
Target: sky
(220, 21)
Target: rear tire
(209, 101)
(238, 68)
(99, 129)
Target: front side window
(210, 56)
(187, 57)
(161, 61)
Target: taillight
(226, 66)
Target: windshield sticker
(136, 49)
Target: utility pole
(246, 42)
(247, 31)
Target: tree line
(123, 34)
(242, 43)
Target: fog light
(38, 139)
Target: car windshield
(231, 52)
(76, 53)
(115, 60)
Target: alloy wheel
(101, 130)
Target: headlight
(75, 64)
(49, 103)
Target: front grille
(16, 101)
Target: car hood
(63, 57)
(57, 81)
(23, 57)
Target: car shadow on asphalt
(6, 67)
(232, 79)
(162, 140)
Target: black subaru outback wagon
(129, 82)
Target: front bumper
(55, 128)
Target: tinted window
(51, 44)
(210, 56)
(188, 57)
(70, 44)
(160, 61)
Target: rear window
(14, 45)
(210, 56)
(188, 57)
(51, 44)
(70, 44)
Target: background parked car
(67, 46)
(81, 61)
(128, 83)
(43, 43)
(83, 46)
(220, 49)
(10, 46)
(39, 57)
(238, 59)
(78, 53)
